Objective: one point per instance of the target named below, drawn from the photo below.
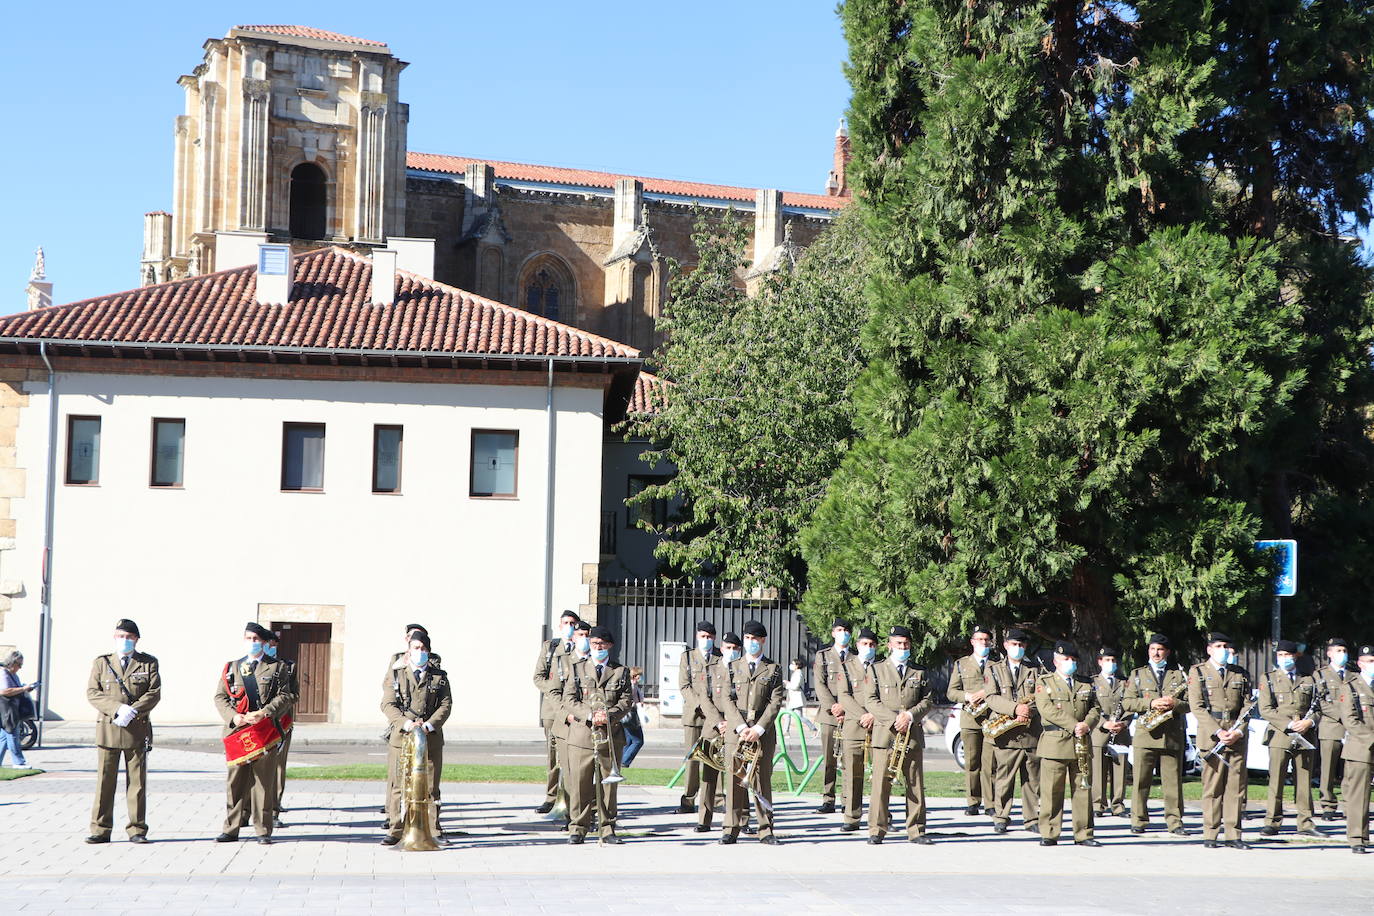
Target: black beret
(1108, 652)
(754, 628)
(1336, 642)
(411, 627)
(1217, 637)
(979, 628)
(258, 630)
(866, 633)
(839, 622)
(128, 626)
(731, 638)
(1286, 645)
(582, 626)
(1066, 648)
(1365, 650)
(1016, 633)
(706, 626)
(1159, 639)
(602, 633)
(422, 638)
(572, 615)
(900, 631)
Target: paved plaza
(503, 858)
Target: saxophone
(998, 725)
(1154, 718)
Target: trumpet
(896, 756)
(1082, 753)
(601, 741)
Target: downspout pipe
(49, 504)
(549, 458)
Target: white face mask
(1016, 653)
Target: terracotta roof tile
(329, 309)
(305, 31)
(519, 171)
(649, 394)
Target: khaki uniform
(1355, 710)
(425, 699)
(285, 749)
(1284, 700)
(827, 674)
(1329, 735)
(561, 679)
(889, 692)
(544, 677)
(969, 676)
(694, 675)
(142, 690)
(1216, 698)
(584, 692)
(853, 736)
(1161, 749)
(1109, 769)
(745, 699)
(1013, 754)
(1062, 705)
(251, 788)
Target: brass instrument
(1154, 718)
(1003, 722)
(1218, 748)
(417, 834)
(896, 755)
(601, 741)
(709, 751)
(1082, 753)
(977, 710)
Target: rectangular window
(83, 450)
(302, 456)
(386, 459)
(655, 513)
(494, 454)
(169, 442)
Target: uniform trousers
(691, 788)
(1224, 781)
(1109, 775)
(1279, 759)
(580, 778)
(913, 774)
(1053, 774)
(395, 826)
(1355, 794)
(977, 765)
(737, 799)
(280, 756)
(851, 779)
(135, 789)
(250, 789)
(1007, 764)
(1170, 766)
(1329, 750)
(829, 735)
(551, 748)
(709, 778)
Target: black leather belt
(1050, 727)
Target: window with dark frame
(656, 514)
(386, 458)
(169, 444)
(495, 463)
(542, 295)
(83, 450)
(302, 457)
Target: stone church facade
(293, 134)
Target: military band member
(595, 698)
(1011, 691)
(124, 686)
(695, 672)
(1109, 767)
(1068, 710)
(563, 672)
(1218, 689)
(1330, 732)
(898, 697)
(544, 670)
(857, 727)
(280, 754)
(827, 673)
(1156, 688)
(251, 688)
(1355, 708)
(398, 662)
(417, 695)
(1289, 702)
(749, 701)
(967, 686)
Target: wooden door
(308, 645)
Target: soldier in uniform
(1289, 702)
(593, 701)
(280, 753)
(967, 686)
(123, 687)
(694, 675)
(563, 666)
(1109, 768)
(1355, 709)
(827, 673)
(544, 669)
(1330, 732)
(250, 689)
(418, 695)
(1068, 711)
(858, 724)
(1155, 689)
(1011, 691)
(1218, 690)
(750, 700)
(898, 698)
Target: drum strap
(250, 687)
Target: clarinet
(1296, 739)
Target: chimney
(414, 255)
(629, 206)
(767, 223)
(274, 274)
(39, 289)
(383, 276)
(157, 247)
(837, 185)
(479, 186)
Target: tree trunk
(1090, 609)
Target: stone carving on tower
(39, 288)
(635, 272)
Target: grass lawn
(7, 774)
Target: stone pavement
(503, 858)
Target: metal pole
(50, 497)
(1276, 619)
(550, 455)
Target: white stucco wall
(192, 565)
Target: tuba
(416, 805)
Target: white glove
(428, 727)
(125, 715)
(407, 726)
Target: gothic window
(542, 294)
(309, 201)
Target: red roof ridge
(306, 31)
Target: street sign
(1286, 585)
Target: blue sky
(746, 92)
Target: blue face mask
(1231, 656)
(271, 651)
(867, 653)
(419, 658)
(753, 646)
(901, 655)
(601, 654)
(1068, 667)
(123, 646)
(982, 651)
(1158, 665)
(1107, 668)
(1016, 653)
(583, 643)
(255, 648)
(568, 632)
(842, 638)
(1339, 660)
(706, 644)
(1286, 662)
(732, 655)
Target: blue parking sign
(1286, 585)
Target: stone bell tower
(290, 134)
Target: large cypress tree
(1080, 357)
